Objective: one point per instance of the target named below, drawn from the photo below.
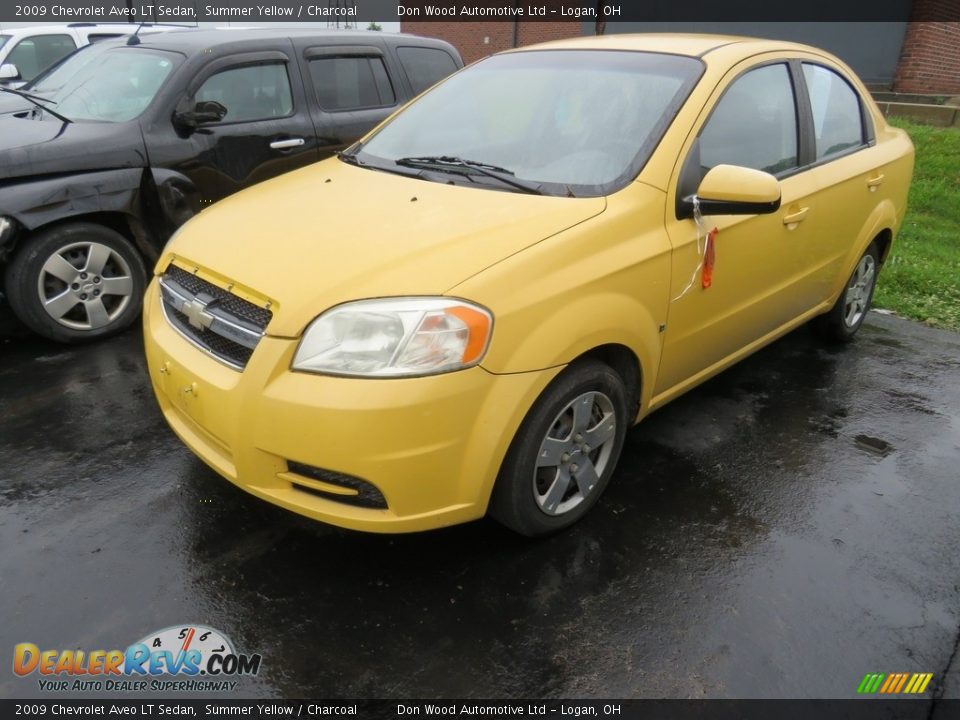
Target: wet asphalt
(781, 531)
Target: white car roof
(119, 28)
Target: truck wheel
(564, 453)
(76, 282)
(843, 320)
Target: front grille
(223, 324)
(236, 306)
(368, 495)
(222, 347)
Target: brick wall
(930, 58)
(476, 40)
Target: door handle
(796, 216)
(287, 144)
(875, 182)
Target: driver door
(759, 259)
(266, 131)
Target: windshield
(57, 76)
(3, 40)
(579, 122)
(115, 86)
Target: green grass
(921, 279)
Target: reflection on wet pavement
(778, 532)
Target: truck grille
(215, 320)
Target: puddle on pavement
(873, 445)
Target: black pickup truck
(95, 177)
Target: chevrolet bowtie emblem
(197, 314)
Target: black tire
(106, 302)
(843, 320)
(521, 497)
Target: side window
(35, 54)
(425, 66)
(837, 123)
(755, 123)
(351, 83)
(97, 37)
(252, 92)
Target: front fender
(602, 282)
(34, 203)
(153, 202)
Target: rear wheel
(850, 310)
(564, 453)
(76, 282)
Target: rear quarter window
(425, 67)
(351, 83)
(837, 114)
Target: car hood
(11, 104)
(333, 232)
(29, 148)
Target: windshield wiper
(350, 157)
(36, 100)
(459, 165)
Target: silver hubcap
(859, 291)
(85, 286)
(575, 453)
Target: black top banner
(361, 12)
(573, 709)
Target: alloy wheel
(85, 285)
(574, 453)
(859, 291)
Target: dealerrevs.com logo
(180, 658)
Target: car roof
(196, 40)
(689, 44)
(88, 27)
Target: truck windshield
(565, 122)
(57, 76)
(116, 86)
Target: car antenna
(135, 39)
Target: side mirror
(207, 111)
(734, 190)
(9, 71)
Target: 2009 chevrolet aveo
(467, 310)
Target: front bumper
(432, 446)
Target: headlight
(395, 337)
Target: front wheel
(564, 453)
(76, 282)
(847, 315)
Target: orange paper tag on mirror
(709, 258)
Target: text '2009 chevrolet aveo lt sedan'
(467, 310)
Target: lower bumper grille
(368, 495)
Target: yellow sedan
(466, 311)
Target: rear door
(351, 88)
(845, 166)
(267, 130)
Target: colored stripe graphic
(903, 681)
(914, 682)
(870, 683)
(894, 683)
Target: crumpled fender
(154, 202)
